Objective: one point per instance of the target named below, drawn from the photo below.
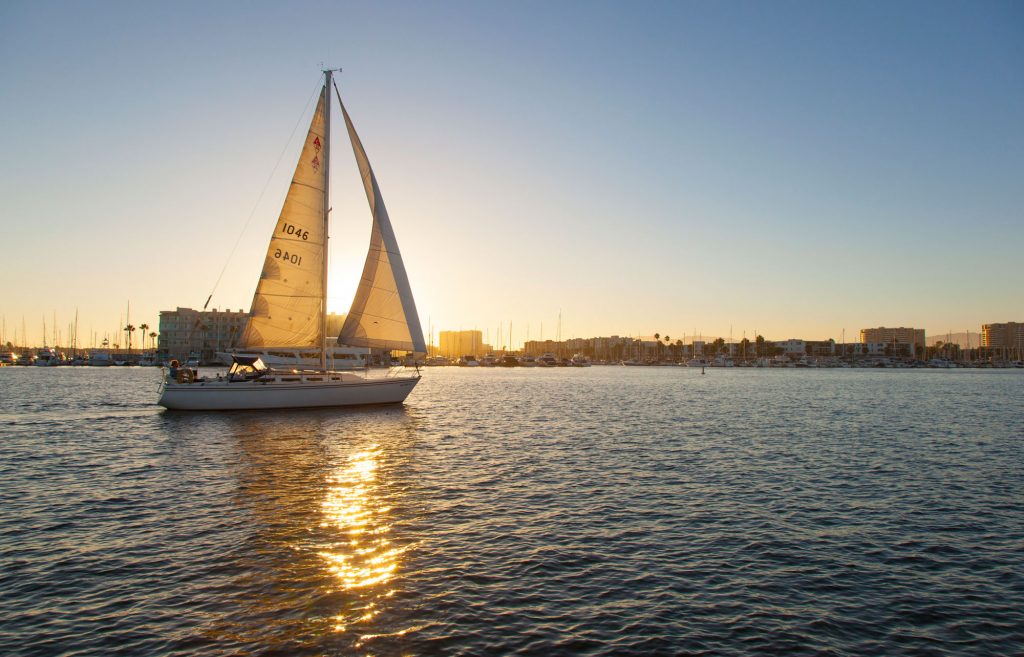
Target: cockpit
(246, 368)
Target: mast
(328, 73)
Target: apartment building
(1008, 336)
(185, 331)
(910, 338)
(453, 344)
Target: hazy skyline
(793, 168)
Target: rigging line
(238, 240)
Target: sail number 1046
(293, 258)
(290, 229)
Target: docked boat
(289, 308)
(100, 359)
(47, 357)
(468, 360)
(579, 360)
(547, 360)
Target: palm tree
(143, 328)
(129, 330)
(657, 338)
(152, 339)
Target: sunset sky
(794, 168)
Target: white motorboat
(289, 307)
(100, 359)
(547, 360)
(46, 357)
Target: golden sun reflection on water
(363, 559)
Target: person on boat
(183, 374)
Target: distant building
(796, 347)
(462, 343)
(539, 347)
(871, 348)
(821, 347)
(186, 331)
(792, 347)
(609, 348)
(902, 341)
(1006, 336)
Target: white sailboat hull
(286, 391)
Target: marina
(349, 359)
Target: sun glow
(364, 558)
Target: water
(605, 511)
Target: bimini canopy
(247, 364)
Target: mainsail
(383, 313)
(287, 308)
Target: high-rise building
(903, 340)
(1008, 336)
(462, 343)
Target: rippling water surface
(605, 511)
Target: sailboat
(289, 308)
